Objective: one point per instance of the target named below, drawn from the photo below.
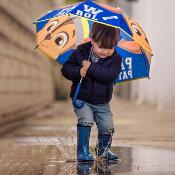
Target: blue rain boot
(103, 147)
(83, 153)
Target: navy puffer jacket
(97, 86)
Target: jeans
(100, 114)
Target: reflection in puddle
(42, 160)
(84, 168)
(44, 150)
(96, 167)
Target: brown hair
(105, 36)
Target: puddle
(42, 160)
(44, 150)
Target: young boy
(100, 73)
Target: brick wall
(26, 78)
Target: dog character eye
(52, 25)
(136, 29)
(61, 39)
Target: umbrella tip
(36, 47)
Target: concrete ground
(134, 124)
(143, 125)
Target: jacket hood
(87, 45)
(84, 49)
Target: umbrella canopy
(59, 32)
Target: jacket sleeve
(103, 74)
(71, 68)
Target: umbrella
(59, 32)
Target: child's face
(101, 52)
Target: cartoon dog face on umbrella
(139, 38)
(138, 34)
(58, 36)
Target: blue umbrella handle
(80, 103)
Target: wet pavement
(48, 140)
(49, 155)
